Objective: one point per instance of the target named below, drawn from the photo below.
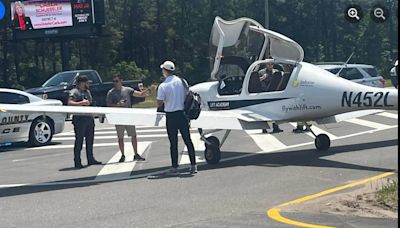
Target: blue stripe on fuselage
(234, 104)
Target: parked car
(360, 73)
(394, 74)
(37, 129)
(59, 85)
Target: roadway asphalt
(39, 188)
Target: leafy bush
(129, 70)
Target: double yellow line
(274, 212)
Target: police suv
(37, 129)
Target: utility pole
(392, 12)
(65, 54)
(266, 14)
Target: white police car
(36, 129)
(393, 74)
(359, 73)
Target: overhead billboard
(2, 14)
(47, 18)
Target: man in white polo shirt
(171, 94)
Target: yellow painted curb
(274, 212)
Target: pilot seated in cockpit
(269, 78)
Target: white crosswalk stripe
(113, 137)
(55, 147)
(389, 115)
(119, 170)
(266, 142)
(368, 123)
(112, 132)
(317, 131)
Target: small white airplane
(234, 99)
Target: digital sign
(2, 11)
(50, 18)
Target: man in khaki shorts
(120, 96)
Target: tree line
(141, 34)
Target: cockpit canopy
(243, 41)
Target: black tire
(212, 152)
(41, 132)
(322, 142)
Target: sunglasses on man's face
(116, 81)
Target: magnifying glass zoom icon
(353, 13)
(378, 13)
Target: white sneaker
(193, 169)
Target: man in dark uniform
(83, 124)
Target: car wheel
(41, 132)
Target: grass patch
(387, 195)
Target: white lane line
(71, 146)
(198, 147)
(121, 170)
(112, 137)
(266, 142)
(113, 132)
(2, 186)
(42, 156)
(389, 115)
(317, 131)
(369, 124)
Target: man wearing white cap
(172, 93)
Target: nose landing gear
(322, 141)
(212, 153)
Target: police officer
(83, 124)
(171, 94)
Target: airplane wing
(149, 117)
(229, 119)
(347, 116)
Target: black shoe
(297, 130)
(138, 158)
(122, 159)
(276, 130)
(264, 131)
(78, 166)
(94, 162)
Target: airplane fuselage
(311, 93)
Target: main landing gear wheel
(322, 142)
(212, 152)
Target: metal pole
(65, 55)
(391, 35)
(266, 14)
